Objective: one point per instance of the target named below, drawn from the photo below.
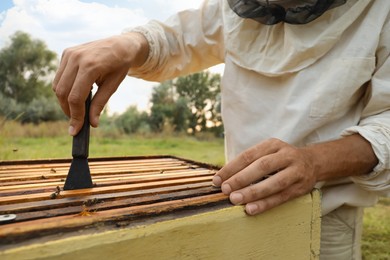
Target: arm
(348, 156)
(189, 41)
(374, 125)
(294, 171)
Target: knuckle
(239, 181)
(54, 83)
(68, 52)
(282, 182)
(76, 120)
(74, 100)
(264, 165)
(248, 156)
(277, 144)
(99, 107)
(290, 153)
(77, 56)
(65, 53)
(252, 193)
(61, 95)
(275, 141)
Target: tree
(200, 91)
(132, 120)
(188, 103)
(180, 115)
(26, 67)
(163, 100)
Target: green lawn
(376, 234)
(210, 151)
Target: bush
(132, 121)
(41, 109)
(9, 108)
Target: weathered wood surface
(124, 188)
(157, 207)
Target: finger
(105, 91)
(61, 68)
(260, 206)
(76, 100)
(246, 158)
(254, 172)
(64, 86)
(268, 187)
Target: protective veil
(290, 11)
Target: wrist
(349, 156)
(137, 48)
(316, 159)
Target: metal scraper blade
(79, 176)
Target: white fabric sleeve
(378, 180)
(374, 125)
(187, 42)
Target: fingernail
(226, 189)
(251, 209)
(236, 198)
(71, 130)
(217, 181)
(95, 121)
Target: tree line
(189, 104)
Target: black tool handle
(80, 147)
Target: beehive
(155, 207)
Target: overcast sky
(65, 23)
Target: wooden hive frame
(127, 192)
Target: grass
(376, 231)
(51, 141)
(60, 147)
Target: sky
(65, 23)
